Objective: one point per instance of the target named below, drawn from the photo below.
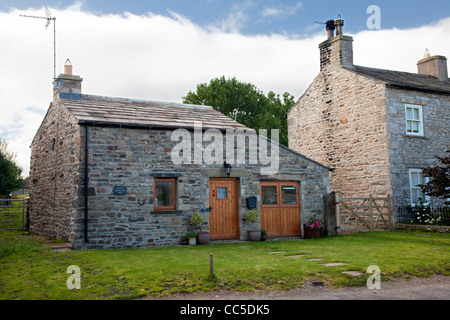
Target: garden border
(415, 227)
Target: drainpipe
(86, 183)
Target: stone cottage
(377, 128)
(121, 173)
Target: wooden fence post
(211, 266)
(338, 217)
(371, 212)
(390, 212)
(330, 213)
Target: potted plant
(313, 228)
(184, 239)
(197, 220)
(251, 217)
(263, 235)
(192, 237)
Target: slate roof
(100, 110)
(404, 80)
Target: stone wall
(134, 157)
(341, 121)
(416, 152)
(54, 175)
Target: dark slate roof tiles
(404, 80)
(119, 111)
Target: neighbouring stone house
(121, 173)
(378, 129)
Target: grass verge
(30, 270)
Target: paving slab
(353, 273)
(334, 264)
(299, 256)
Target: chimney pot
(339, 23)
(68, 67)
(330, 28)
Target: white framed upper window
(414, 120)
(416, 178)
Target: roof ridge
(144, 101)
(395, 71)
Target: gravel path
(436, 287)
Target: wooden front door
(224, 214)
(280, 208)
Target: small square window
(269, 195)
(289, 195)
(221, 193)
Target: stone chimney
(435, 66)
(68, 86)
(337, 49)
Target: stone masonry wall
(341, 121)
(416, 152)
(54, 175)
(133, 157)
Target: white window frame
(420, 120)
(412, 187)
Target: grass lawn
(30, 270)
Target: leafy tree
(10, 179)
(244, 103)
(439, 184)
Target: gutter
(86, 183)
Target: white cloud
(163, 57)
(236, 20)
(281, 10)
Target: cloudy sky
(160, 50)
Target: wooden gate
(364, 214)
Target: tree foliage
(244, 103)
(10, 179)
(439, 184)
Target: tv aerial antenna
(49, 19)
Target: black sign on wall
(119, 190)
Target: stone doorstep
(60, 247)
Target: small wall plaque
(119, 190)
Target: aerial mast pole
(49, 19)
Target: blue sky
(265, 16)
(160, 50)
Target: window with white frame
(416, 178)
(414, 120)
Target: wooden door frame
(236, 204)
